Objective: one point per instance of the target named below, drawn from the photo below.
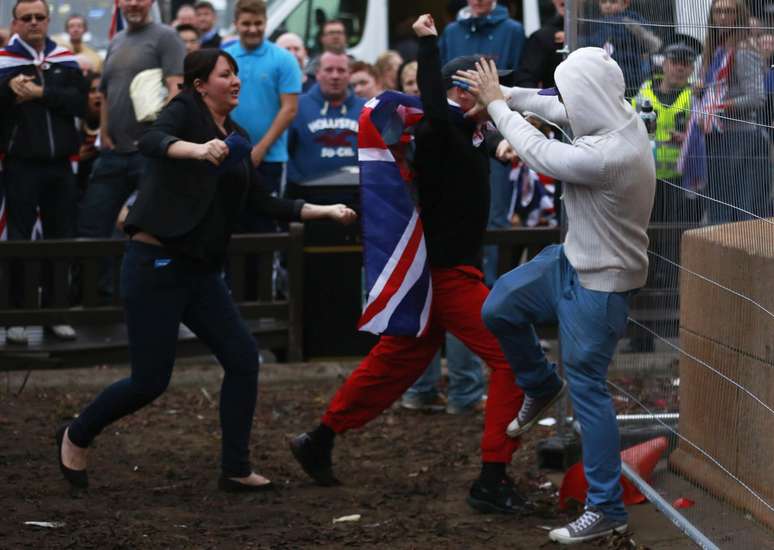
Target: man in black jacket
(42, 90)
(540, 58)
(451, 175)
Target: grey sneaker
(592, 524)
(16, 335)
(436, 403)
(532, 410)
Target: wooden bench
(277, 324)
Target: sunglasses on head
(39, 17)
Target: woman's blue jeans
(159, 293)
(546, 290)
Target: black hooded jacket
(452, 173)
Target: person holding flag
(423, 265)
(42, 91)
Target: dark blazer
(175, 194)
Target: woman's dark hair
(199, 65)
(91, 76)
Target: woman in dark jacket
(199, 180)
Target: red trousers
(396, 362)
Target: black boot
(313, 451)
(497, 496)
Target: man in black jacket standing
(451, 167)
(540, 58)
(42, 90)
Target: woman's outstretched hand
(342, 214)
(337, 212)
(214, 151)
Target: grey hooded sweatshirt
(608, 171)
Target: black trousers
(50, 187)
(46, 184)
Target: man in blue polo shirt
(271, 82)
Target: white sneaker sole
(515, 430)
(561, 539)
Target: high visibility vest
(667, 152)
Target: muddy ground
(153, 478)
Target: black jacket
(452, 175)
(44, 128)
(539, 58)
(176, 194)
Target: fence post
(296, 290)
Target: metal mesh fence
(700, 340)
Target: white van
(369, 22)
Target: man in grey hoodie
(585, 284)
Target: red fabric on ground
(396, 362)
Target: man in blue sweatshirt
(323, 136)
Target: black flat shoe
(230, 486)
(78, 479)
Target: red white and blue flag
(116, 21)
(706, 117)
(397, 271)
(18, 55)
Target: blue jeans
(466, 376)
(501, 190)
(159, 293)
(546, 290)
(114, 177)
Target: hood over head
(592, 87)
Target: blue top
(266, 72)
(495, 34)
(323, 138)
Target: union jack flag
(705, 118)
(395, 257)
(116, 21)
(18, 55)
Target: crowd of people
(80, 135)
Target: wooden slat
(5, 284)
(296, 292)
(89, 281)
(31, 283)
(60, 285)
(265, 276)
